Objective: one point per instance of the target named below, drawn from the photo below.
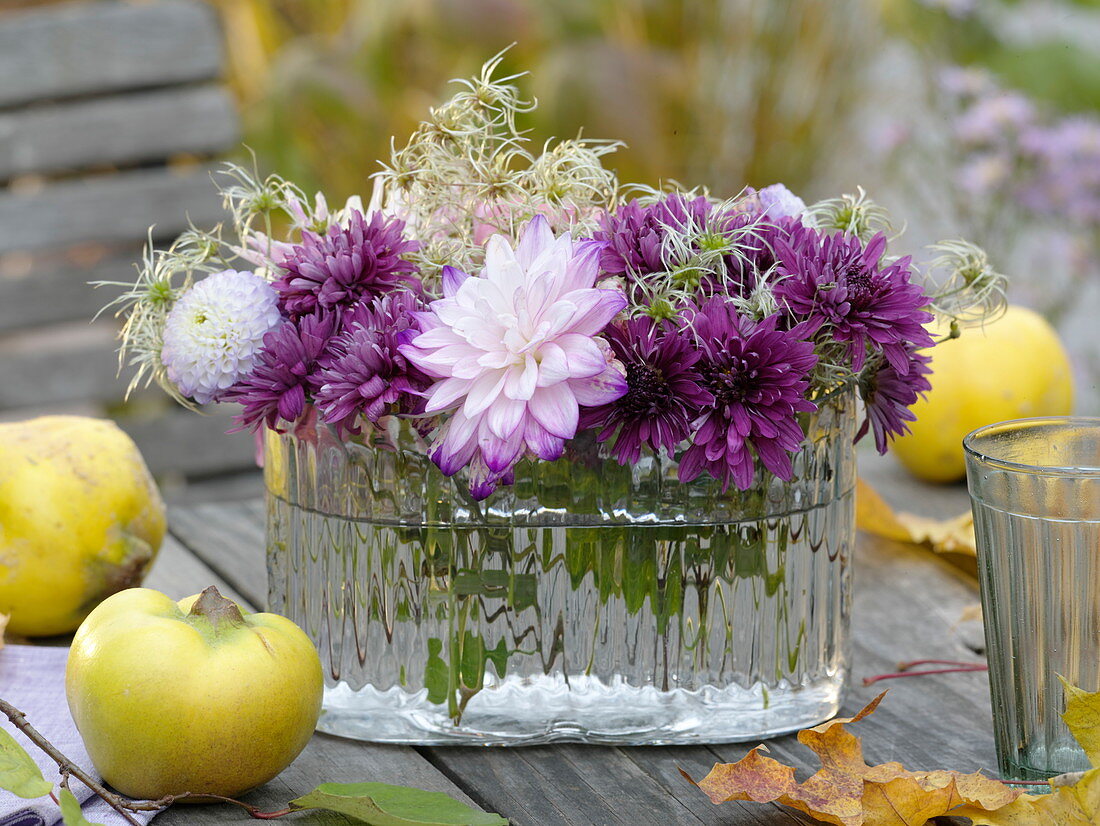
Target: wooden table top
(907, 605)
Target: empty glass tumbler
(1035, 491)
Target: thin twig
(899, 674)
(120, 804)
(906, 666)
(67, 766)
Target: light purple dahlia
(515, 354)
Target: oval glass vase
(588, 602)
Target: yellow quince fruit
(80, 519)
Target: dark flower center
(858, 280)
(729, 382)
(647, 389)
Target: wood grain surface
(94, 48)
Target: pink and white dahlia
(516, 354)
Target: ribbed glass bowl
(588, 602)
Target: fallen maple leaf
(848, 792)
(1076, 799)
(944, 536)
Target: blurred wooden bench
(110, 114)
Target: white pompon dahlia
(215, 331)
(516, 354)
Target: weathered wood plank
(186, 444)
(60, 292)
(229, 538)
(60, 365)
(123, 130)
(109, 209)
(179, 573)
(79, 49)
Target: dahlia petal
(542, 443)
(446, 394)
(583, 356)
(556, 409)
(458, 445)
(536, 237)
(583, 267)
(521, 380)
(605, 388)
(594, 309)
(554, 366)
(504, 417)
(483, 391)
(439, 337)
(499, 454)
(453, 278)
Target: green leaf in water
(19, 774)
(71, 813)
(436, 674)
(381, 804)
(498, 656)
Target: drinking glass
(1035, 492)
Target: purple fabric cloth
(32, 678)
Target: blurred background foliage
(712, 93)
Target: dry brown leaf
(848, 792)
(943, 536)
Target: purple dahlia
(833, 281)
(634, 234)
(758, 376)
(337, 269)
(366, 374)
(663, 395)
(889, 393)
(286, 373)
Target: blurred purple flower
(995, 118)
(776, 201)
(758, 376)
(888, 394)
(663, 395)
(345, 264)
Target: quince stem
(218, 610)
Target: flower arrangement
(507, 301)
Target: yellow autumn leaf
(944, 536)
(1077, 805)
(848, 792)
